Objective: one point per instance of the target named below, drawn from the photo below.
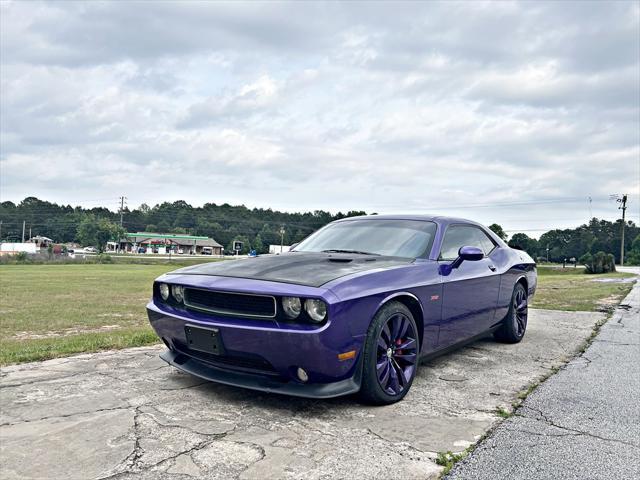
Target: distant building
(40, 241)
(279, 248)
(158, 243)
(13, 248)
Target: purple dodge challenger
(353, 308)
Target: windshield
(397, 238)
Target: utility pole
(282, 232)
(23, 225)
(623, 207)
(0, 230)
(122, 199)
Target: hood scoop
(340, 260)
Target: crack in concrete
(64, 415)
(40, 380)
(136, 454)
(132, 462)
(184, 388)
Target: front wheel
(390, 355)
(514, 324)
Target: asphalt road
(583, 423)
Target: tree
(524, 242)
(258, 245)
(633, 256)
(497, 229)
(97, 232)
(599, 263)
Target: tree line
(596, 236)
(258, 228)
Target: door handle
(492, 268)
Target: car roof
(442, 219)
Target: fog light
(302, 375)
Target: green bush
(599, 263)
(22, 257)
(104, 258)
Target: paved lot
(582, 423)
(126, 414)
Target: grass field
(49, 311)
(571, 289)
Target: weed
(503, 412)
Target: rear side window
(458, 236)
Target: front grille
(227, 303)
(248, 363)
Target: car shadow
(246, 398)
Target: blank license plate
(204, 339)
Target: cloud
(377, 106)
(248, 99)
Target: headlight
(178, 293)
(164, 291)
(316, 309)
(292, 306)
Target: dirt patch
(615, 280)
(64, 333)
(117, 315)
(608, 304)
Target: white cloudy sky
(509, 112)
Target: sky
(522, 113)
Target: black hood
(300, 268)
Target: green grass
(571, 289)
(503, 412)
(48, 311)
(448, 460)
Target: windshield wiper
(358, 252)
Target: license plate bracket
(206, 340)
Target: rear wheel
(514, 324)
(390, 355)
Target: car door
(469, 292)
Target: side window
(462, 235)
(487, 243)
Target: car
(353, 308)
(90, 250)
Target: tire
(392, 327)
(514, 324)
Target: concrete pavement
(126, 414)
(583, 423)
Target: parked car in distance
(352, 308)
(90, 250)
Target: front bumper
(263, 356)
(262, 383)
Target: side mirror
(470, 254)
